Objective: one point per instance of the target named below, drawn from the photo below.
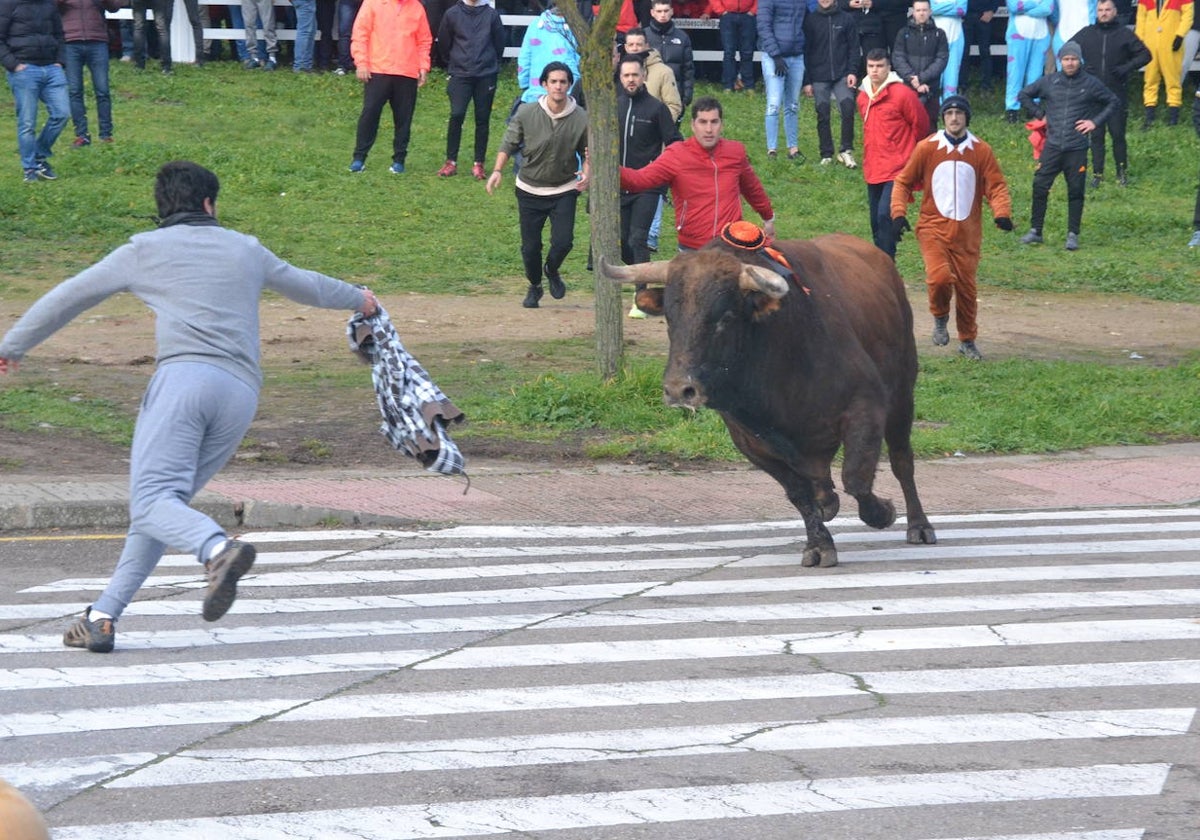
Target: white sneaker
(846, 159)
(826, 161)
(1194, 242)
(634, 312)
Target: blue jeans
(347, 11)
(306, 33)
(656, 225)
(785, 91)
(739, 34)
(94, 56)
(39, 83)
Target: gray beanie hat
(1070, 48)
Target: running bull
(802, 349)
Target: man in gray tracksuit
(203, 283)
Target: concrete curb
(537, 494)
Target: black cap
(957, 100)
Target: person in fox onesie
(957, 171)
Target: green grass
(46, 407)
(281, 144)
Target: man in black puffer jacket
(1073, 104)
(1111, 52)
(920, 55)
(830, 72)
(646, 127)
(675, 48)
(33, 51)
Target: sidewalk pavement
(503, 492)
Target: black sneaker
(968, 350)
(557, 287)
(941, 336)
(45, 172)
(97, 636)
(223, 572)
(533, 296)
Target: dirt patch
(109, 351)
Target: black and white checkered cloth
(415, 411)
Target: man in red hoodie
(708, 176)
(893, 121)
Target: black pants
(879, 199)
(1115, 126)
(637, 214)
(533, 211)
(822, 93)
(163, 9)
(463, 90)
(976, 32)
(401, 93)
(1196, 217)
(326, 11)
(1073, 166)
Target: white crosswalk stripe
(1031, 677)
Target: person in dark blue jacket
(470, 40)
(33, 51)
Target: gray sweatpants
(254, 11)
(192, 419)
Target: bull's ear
(649, 301)
(764, 289)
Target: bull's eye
(723, 322)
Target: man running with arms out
(203, 283)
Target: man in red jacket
(893, 121)
(708, 176)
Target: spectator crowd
(889, 66)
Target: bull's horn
(755, 279)
(653, 272)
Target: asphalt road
(1032, 676)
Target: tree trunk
(604, 194)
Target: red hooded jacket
(893, 121)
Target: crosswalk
(1033, 676)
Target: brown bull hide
(833, 367)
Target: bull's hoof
(824, 556)
(921, 534)
(876, 512)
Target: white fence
(183, 47)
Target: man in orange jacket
(391, 48)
